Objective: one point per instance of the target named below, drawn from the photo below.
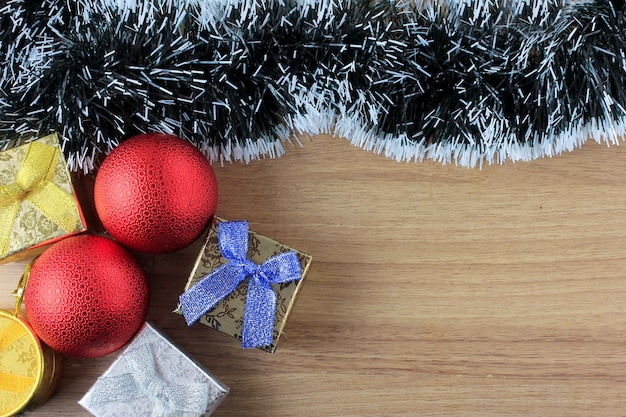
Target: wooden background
(434, 290)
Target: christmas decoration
(30, 370)
(86, 296)
(155, 193)
(38, 203)
(243, 284)
(153, 377)
(468, 81)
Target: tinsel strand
(463, 81)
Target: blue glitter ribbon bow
(260, 308)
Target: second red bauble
(86, 296)
(155, 193)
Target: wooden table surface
(434, 289)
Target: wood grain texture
(434, 290)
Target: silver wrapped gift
(153, 378)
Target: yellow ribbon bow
(33, 183)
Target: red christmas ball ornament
(155, 193)
(86, 296)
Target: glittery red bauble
(155, 193)
(86, 296)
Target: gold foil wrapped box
(29, 370)
(38, 203)
(228, 315)
(152, 376)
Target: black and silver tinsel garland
(464, 81)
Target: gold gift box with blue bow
(38, 203)
(228, 315)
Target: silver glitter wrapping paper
(173, 366)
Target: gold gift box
(227, 315)
(29, 370)
(38, 202)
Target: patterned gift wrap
(38, 203)
(228, 315)
(29, 370)
(153, 377)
